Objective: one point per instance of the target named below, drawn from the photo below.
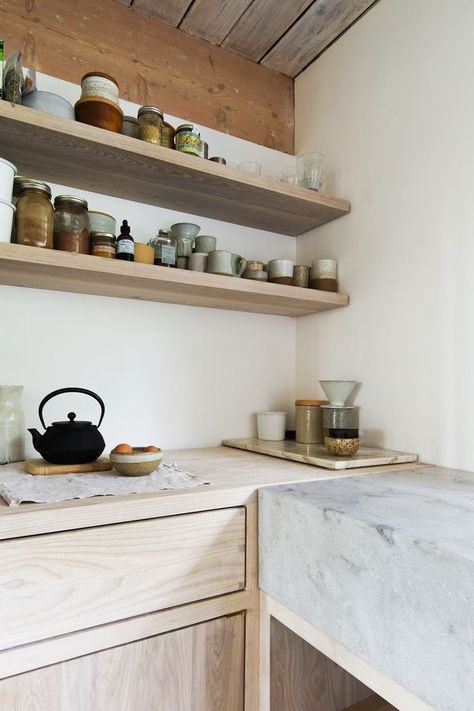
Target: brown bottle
(125, 243)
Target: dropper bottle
(125, 243)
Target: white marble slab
(318, 456)
(384, 564)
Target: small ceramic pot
(7, 175)
(99, 112)
(130, 127)
(7, 211)
(99, 85)
(256, 275)
(271, 426)
(280, 271)
(197, 262)
(102, 222)
(301, 275)
(182, 262)
(205, 243)
(144, 253)
(254, 265)
(324, 274)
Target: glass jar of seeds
(150, 122)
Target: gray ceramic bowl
(185, 229)
(138, 463)
(49, 103)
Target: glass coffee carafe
(12, 424)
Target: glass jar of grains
(71, 224)
(150, 122)
(34, 213)
(188, 139)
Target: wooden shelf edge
(50, 148)
(62, 271)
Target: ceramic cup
(253, 265)
(280, 271)
(7, 174)
(182, 262)
(301, 275)
(222, 262)
(271, 426)
(205, 243)
(197, 262)
(324, 274)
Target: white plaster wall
(171, 375)
(391, 105)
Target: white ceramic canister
(12, 424)
(102, 86)
(271, 425)
(7, 211)
(7, 174)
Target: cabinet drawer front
(61, 582)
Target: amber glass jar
(150, 121)
(71, 224)
(34, 214)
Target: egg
(151, 448)
(123, 448)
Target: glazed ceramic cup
(253, 265)
(7, 174)
(197, 262)
(324, 274)
(222, 262)
(280, 271)
(7, 210)
(271, 426)
(205, 243)
(301, 275)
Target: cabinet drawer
(57, 583)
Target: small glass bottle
(165, 249)
(125, 243)
(150, 122)
(34, 214)
(71, 224)
(103, 245)
(12, 424)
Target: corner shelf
(82, 156)
(83, 274)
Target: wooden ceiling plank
(320, 25)
(184, 75)
(169, 11)
(212, 20)
(262, 25)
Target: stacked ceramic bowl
(7, 209)
(340, 421)
(254, 270)
(99, 102)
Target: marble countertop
(385, 565)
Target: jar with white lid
(308, 421)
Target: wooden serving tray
(39, 467)
(318, 456)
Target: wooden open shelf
(84, 274)
(71, 153)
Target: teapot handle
(71, 390)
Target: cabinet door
(198, 668)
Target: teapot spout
(37, 437)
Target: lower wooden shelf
(83, 274)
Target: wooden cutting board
(39, 467)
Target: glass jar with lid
(188, 139)
(103, 244)
(71, 224)
(165, 248)
(150, 122)
(34, 213)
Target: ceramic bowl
(185, 229)
(99, 112)
(138, 463)
(342, 447)
(102, 222)
(49, 103)
(337, 391)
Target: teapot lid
(72, 422)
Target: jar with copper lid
(150, 121)
(102, 244)
(71, 224)
(308, 421)
(34, 213)
(188, 139)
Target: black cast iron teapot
(69, 442)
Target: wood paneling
(303, 679)
(320, 25)
(262, 25)
(199, 668)
(372, 703)
(72, 153)
(169, 11)
(213, 19)
(153, 63)
(52, 585)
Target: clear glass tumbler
(309, 170)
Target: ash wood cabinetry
(199, 668)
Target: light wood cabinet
(199, 668)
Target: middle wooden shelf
(83, 274)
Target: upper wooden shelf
(84, 274)
(71, 153)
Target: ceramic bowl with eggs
(135, 461)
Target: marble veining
(318, 456)
(383, 563)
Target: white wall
(170, 375)
(391, 105)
